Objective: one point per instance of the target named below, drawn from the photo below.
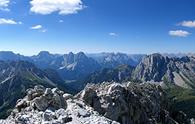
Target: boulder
(67, 96)
(40, 103)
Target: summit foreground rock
(52, 106)
(106, 103)
(132, 103)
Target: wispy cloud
(190, 24)
(36, 27)
(4, 21)
(113, 34)
(39, 28)
(179, 33)
(63, 7)
(4, 5)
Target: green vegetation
(184, 100)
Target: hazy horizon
(91, 53)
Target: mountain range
(18, 73)
(154, 68)
(74, 69)
(74, 66)
(157, 68)
(72, 72)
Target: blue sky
(129, 26)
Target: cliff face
(157, 68)
(152, 67)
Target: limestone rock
(158, 68)
(129, 103)
(52, 106)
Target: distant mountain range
(155, 68)
(174, 68)
(75, 66)
(112, 60)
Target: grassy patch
(184, 100)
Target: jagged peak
(81, 54)
(44, 53)
(70, 53)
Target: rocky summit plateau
(106, 103)
(52, 106)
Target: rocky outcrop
(52, 106)
(129, 103)
(158, 68)
(106, 103)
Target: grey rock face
(157, 68)
(75, 66)
(129, 103)
(46, 98)
(152, 67)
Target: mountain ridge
(157, 68)
(17, 77)
(73, 65)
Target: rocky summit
(105, 103)
(131, 103)
(52, 106)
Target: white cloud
(4, 21)
(39, 28)
(4, 5)
(190, 24)
(36, 27)
(113, 34)
(63, 7)
(179, 33)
